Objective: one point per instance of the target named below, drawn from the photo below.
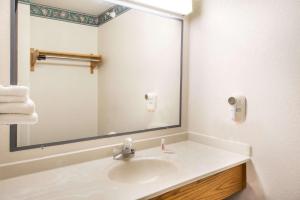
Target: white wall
(65, 92)
(24, 44)
(5, 42)
(250, 48)
(23, 62)
(132, 46)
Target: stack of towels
(16, 107)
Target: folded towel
(27, 107)
(13, 99)
(13, 90)
(8, 119)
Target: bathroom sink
(142, 171)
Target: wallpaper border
(54, 13)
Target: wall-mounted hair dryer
(238, 108)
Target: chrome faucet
(126, 152)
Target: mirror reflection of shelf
(36, 55)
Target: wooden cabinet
(215, 187)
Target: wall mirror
(95, 69)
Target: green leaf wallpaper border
(25, 1)
(48, 12)
(63, 15)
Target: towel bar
(36, 55)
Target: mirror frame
(14, 81)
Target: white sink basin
(142, 171)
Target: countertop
(89, 180)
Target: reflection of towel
(27, 107)
(13, 99)
(8, 119)
(13, 90)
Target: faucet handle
(128, 143)
(126, 152)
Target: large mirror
(96, 69)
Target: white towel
(27, 107)
(9, 119)
(13, 90)
(13, 99)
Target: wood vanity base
(215, 187)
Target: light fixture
(147, 9)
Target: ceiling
(92, 7)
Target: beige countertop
(90, 180)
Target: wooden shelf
(36, 55)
